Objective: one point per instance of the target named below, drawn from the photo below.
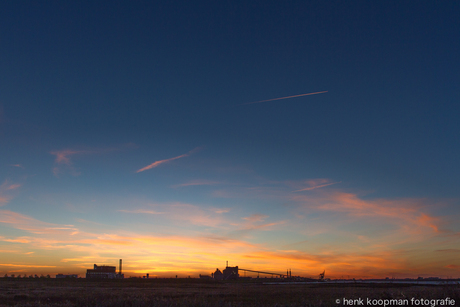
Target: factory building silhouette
(104, 271)
(229, 273)
(232, 273)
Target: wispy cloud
(180, 213)
(63, 156)
(404, 212)
(269, 189)
(220, 211)
(453, 266)
(63, 161)
(13, 186)
(254, 222)
(287, 97)
(368, 219)
(17, 165)
(449, 250)
(5, 186)
(5, 189)
(24, 222)
(17, 240)
(142, 211)
(4, 200)
(256, 218)
(27, 265)
(196, 183)
(316, 184)
(159, 162)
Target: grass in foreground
(83, 292)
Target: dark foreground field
(193, 292)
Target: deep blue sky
(127, 84)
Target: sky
(153, 132)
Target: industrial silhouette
(231, 273)
(104, 271)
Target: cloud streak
(183, 213)
(317, 186)
(24, 222)
(63, 157)
(281, 98)
(27, 265)
(406, 213)
(63, 160)
(159, 162)
(141, 211)
(196, 183)
(4, 188)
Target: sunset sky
(151, 131)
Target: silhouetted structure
(321, 276)
(230, 273)
(217, 275)
(104, 271)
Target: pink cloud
(13, 186)
(17, 240)
(197, 182)
(63, 157)
(181, 213)
(7, 186)
(256, 218)
(316, 184)
(142, 211)
(4, 188)
(63, 161)
(453, 266)
(430, 221)
(32, 225)
(406, 212)
(220, 211)
(252, 223)
(157, 163)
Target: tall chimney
(227, 263)
(119, 270)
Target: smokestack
(119, 270)
(227, 263)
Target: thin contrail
(156, 163)
(317, 187)
(315, 93)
